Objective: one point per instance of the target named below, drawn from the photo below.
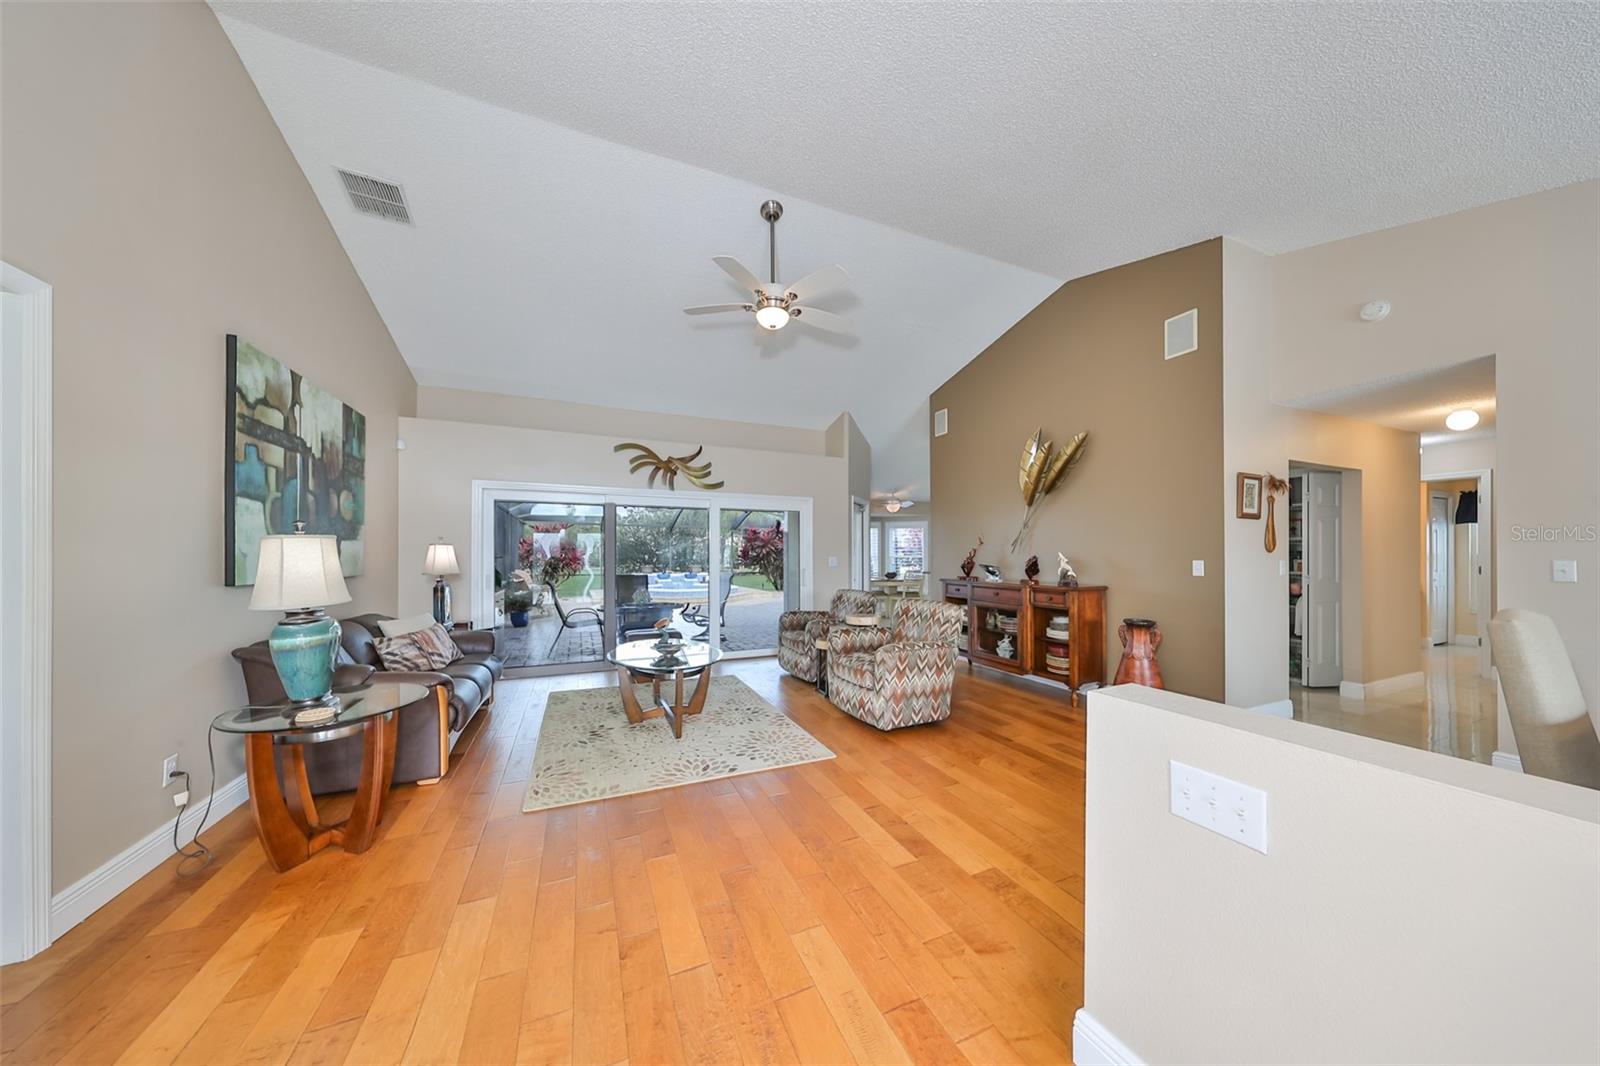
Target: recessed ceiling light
(1376, 311)
(1461, 420)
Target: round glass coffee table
(285, 813)
(643, 660)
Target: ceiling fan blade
(815, 316)
(712, 309)
(818, 282)
(738, 272)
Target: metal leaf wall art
(1042, 468)
(668, 469)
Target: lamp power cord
(196, 851)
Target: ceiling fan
(774, 303)
(894, 505)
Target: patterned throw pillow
(425, 649)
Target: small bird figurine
(1030, 569)
(990, 572)
(1065, 575)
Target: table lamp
(299, 574)
(441, 562)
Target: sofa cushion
(858, 669)
(493, 663)
(399, 627)
(477, 673)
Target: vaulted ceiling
(572, 168)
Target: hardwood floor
(916, 899)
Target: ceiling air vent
(374, 196)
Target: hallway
(1451, 712)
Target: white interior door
(1439, 545)
(1324, 590)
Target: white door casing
(25, 614)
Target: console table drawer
(1056, 597)
(1011, 598)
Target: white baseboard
(1371, 690)
(1276, 709)
(97, 888)
(1095, 1045)
(1506, 760)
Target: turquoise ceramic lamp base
(303, 647)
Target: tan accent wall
(144, 179)
(1142, 504)
(1379, 857)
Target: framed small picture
(1249, 496)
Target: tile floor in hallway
(1451, 711)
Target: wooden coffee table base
(287, 824)
(674, 712)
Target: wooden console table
(1033, 605)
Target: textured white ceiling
(548, 262)
(558, 230)
(1418, 403)
(1064, 137)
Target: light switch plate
(1283, 568)
(1564, 570)
(1198, 568)
(1227, 808)
(833, 560)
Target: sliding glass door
(549, 582)
(760, 576)
(563, 576)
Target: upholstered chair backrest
(851, 601)
(1555, 735)
(928, 620)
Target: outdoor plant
(562, 563)
(761, 550)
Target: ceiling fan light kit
(773, 303)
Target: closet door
(1323, 655)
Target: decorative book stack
(1055, 645)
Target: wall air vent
(1183, 333)
(941, 421)
(374, 196)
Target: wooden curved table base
(284, 810)
(674, 712)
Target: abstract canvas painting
(295, 453)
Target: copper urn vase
(1140, 637)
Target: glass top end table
(649, 660)
(285, 812)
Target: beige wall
(1380, 551)
(144, 180)
(1409, 907)
(441, 460)
(494, 409)
(1518, 280)
(1141, 504)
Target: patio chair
(700, 615)
(576, 618)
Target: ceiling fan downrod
(771, 211)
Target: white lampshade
(298, 571)
(441, 561)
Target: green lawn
(753, 581)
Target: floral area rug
(588, 751)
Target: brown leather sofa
(428, 728)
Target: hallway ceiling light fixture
(775, 304)
(1461, 420)
(1376, 311)
(894, 505)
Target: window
(906, 548)
(875, 541)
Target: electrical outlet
(169, 766)
(1227, 808)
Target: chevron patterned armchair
(893, 677)
(799, 631)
